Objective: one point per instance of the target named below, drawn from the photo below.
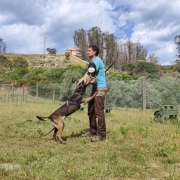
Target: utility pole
(148, 97)
(44, 45)
(177, 41)
(144, 93)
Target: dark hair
(95, 49)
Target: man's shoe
(98, 138)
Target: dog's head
(77, 96)
(80, 88)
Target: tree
(141, 52)
(5, 64)
(19, 62)
(68, 79)
(106, 42)
(111, 47)
(112, 50)
(36, 75)
(153, 58)
(5, 67)
(80, 40)
(18, 72)
(147, 69)
(177, 66)
(67, 57)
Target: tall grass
(136, 146)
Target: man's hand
(86, 100)
(88, 79)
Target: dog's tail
(41, 118)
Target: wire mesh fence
(142, 93)
(28, 94)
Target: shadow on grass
(76, 135)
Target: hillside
(49, 61)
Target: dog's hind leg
(55, 133)
(60, 131)
(60, 127)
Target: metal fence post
(54, 93)
(143, 94)
(37, 89)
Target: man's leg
(92, 117)
(99, 112)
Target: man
(96, 70)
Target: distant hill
(49, 61)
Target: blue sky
(23, 23)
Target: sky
(25, 23)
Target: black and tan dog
(73, 104)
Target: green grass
(136, 147)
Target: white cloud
(155, 25)
(25, 38)
(59, 19)
(167, 53)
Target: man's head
(92, 51)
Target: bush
(62, 80)
(19, 62)
(120, 76)
(128, 67)
(124, 94)
(5, 67)
(19, 70)
(129, 93)
(142, 68)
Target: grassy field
(136, 147)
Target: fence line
(25, 94)
(141, 93)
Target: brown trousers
(96, 114)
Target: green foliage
(67, 57)
(125, 88)
(36, 75)
(168, 69)
(54, 75)
(143, 68)
(165, 91)
(5, 67)
(69, 77)
(164, 151)
(129, 93)
(5, 62)
(124, 94)
(124, 130)
(20, 63)
(18, 72)
(59, 79)
(120, 76)
(128, 67)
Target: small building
(74, 51)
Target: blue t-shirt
(100, 69)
